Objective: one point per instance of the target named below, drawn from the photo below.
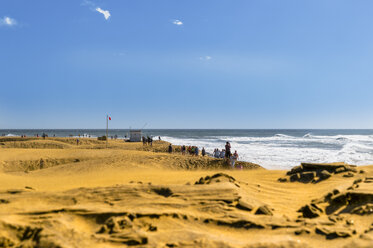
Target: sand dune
(54, 193)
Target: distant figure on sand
(222, 153)
(183, 149)
(159, 138)
(234, 158)
(170, 148)
(227, 150)
(196, 150)
(77, 142)
(203, 152)
(216, 153)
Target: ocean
(273, 149)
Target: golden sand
(54, 193)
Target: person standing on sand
(77, 141)
(203, 152)
(227, 150)
(183, 149)
(170, 148)
(196, 151)
(234, 158)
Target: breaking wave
(282, 151)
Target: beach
(278, 149)
(55, 193)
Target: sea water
(273, 149)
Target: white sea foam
(284, 151)
(11, 135)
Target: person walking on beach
(170, 148)
(203, 152)
(196, 150)
(77, 141)
(183, 149)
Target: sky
(186, 63)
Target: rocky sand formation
(314, 173)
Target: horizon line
(187, 128)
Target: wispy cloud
(177, 22)
(96, 8)
(7, 21)
(205, 58)
(106, 13)
(88, 3)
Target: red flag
(109, 118)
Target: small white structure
(135, 135)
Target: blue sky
(186, 64)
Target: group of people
(227, 154)
(219, 154)
(44, 135)
(192, 150)
(147, 141)
(224, 153)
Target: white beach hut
(135, 135)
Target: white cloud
(205, 58)
(106, 13)
(7, 21)
(178, 22)
(92, 6)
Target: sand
(54, 193)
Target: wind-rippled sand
(54, 193)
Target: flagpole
(107, 127)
